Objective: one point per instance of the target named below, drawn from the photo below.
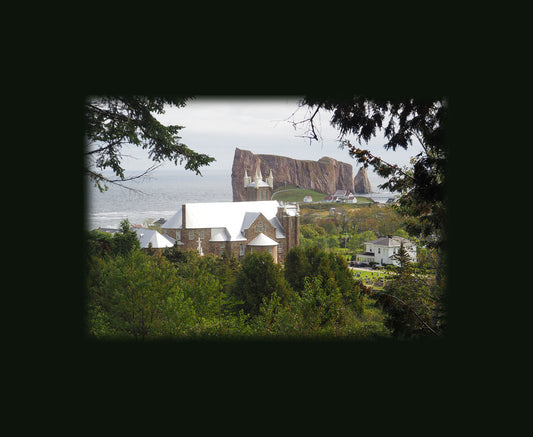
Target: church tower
(258, 189)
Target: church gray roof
(173, 222)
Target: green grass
(297, 194)
(369, 278)
(364, 199)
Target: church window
(260, 226)
(280, 248)
(241, 249)
(191, 235)
(202, 234)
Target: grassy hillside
(294, 194)
(291, 193)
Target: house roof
(173, 222)
(109, 230)
(249, 218)
(258, 184)
(228, 220)
(279, 229)
(147, 236)
(262, 240)
(389, 241)
(219, 234)
(291, 210)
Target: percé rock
(325, 175)
(361, 184)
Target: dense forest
(150, 294)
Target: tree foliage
(136, 296)
(422, 186)
(142, 296)
(302, 265)
(402, 121)
(114, 121)
(258, 278)
(408, 300)
(102, 243)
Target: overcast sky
(216, 126)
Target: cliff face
(361, 182)
(325, 175)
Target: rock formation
(361, 184)
(325, 175)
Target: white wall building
(381, 250)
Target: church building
(236, 228)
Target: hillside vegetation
(148, 295)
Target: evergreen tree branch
(408, 307)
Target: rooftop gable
(262, 240)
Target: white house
(381, 250)
(341, 196)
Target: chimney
(183, 215)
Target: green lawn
(297, 194)
(370, 278)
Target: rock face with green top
(326, 175)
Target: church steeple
(270, 180)
(258, 189)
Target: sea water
(158, 196)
